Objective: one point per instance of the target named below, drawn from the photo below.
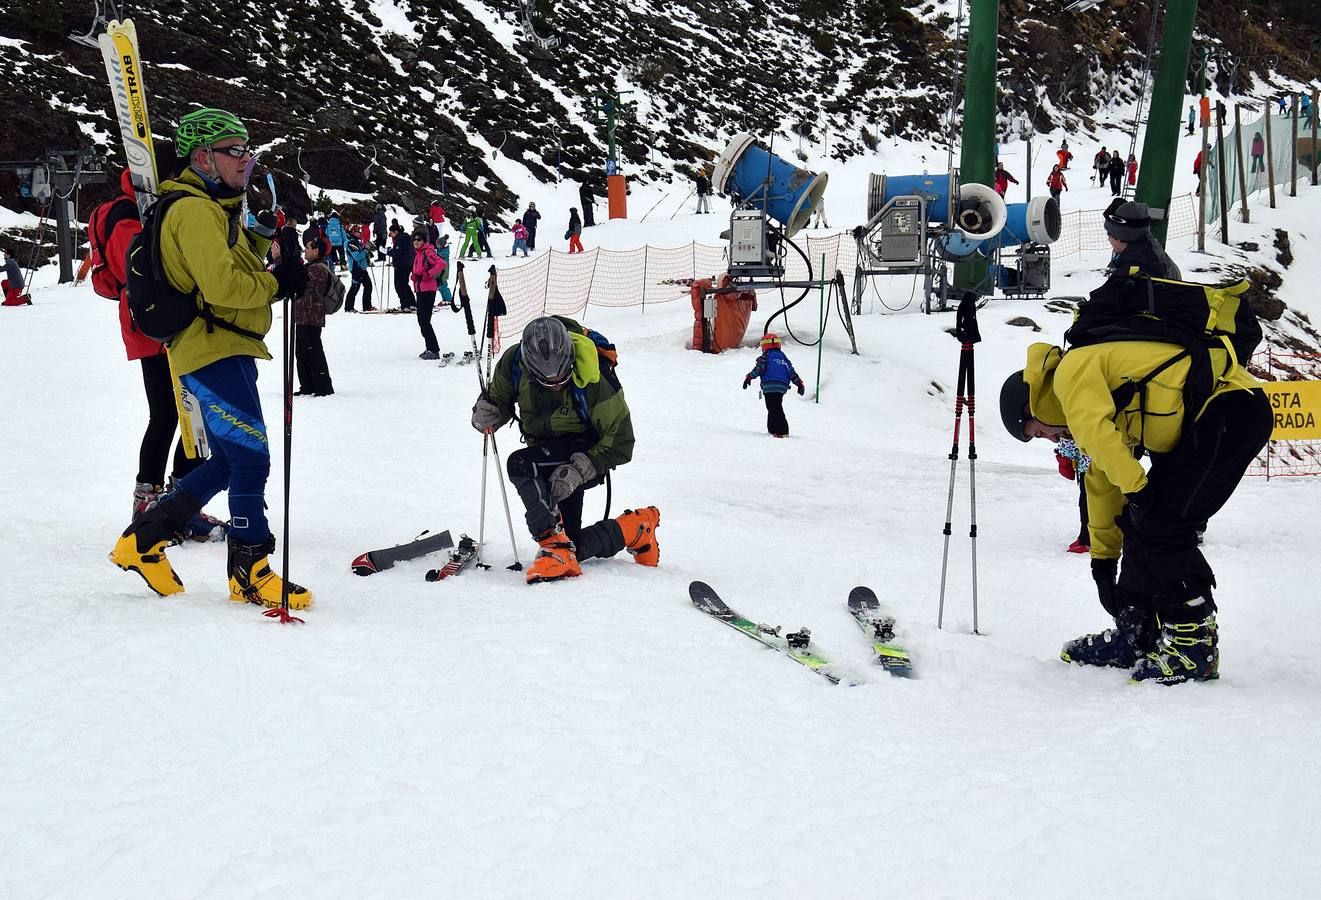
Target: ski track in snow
(599, 737)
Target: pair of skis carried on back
(863, 605)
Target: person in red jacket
(1055, 183)
(113, 226)
(1002, 178)
(1132, 170)
(437, 213)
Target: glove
(802, 389)
(1066, 467)
(570, 476)
(291, 277)
(747, 381)
(1104, 573)
(486, 415)
(1136, 508)
(265, 226)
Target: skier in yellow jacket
(205, 248)
(1161, 601)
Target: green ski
(878, 626)
(797, 646)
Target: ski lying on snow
(374, 561)
(460, 556)
(797, 646)
(879, 626)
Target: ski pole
(288, 256)
(966, 332)
(481, 383)
(495, 306)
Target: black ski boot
(1187, 651)
(1121, 647)
(141, 548)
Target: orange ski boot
(639, 530)
(556, 559)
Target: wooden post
(1242, 170)
(1270, 154)
(1201, 189)
(1220, 179)
(1293, 152)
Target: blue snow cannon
(754, 176)
(1034, 222)
(977, 214)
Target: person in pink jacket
(520, 239)
(427, 266)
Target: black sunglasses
(238, 151)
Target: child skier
(520, 239)
(776, 374)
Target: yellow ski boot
(141, 548)
(251, 579)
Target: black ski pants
(426, 303)
(366, 285)
(776, 423)
(1162, 566)
(310, 356)
(1115, 179)
(162, 421)
(529, 472)
(403, 289)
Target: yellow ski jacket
(195, 252)
(1074, 389)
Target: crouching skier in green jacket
(204, 248)
(577, 426)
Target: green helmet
(203, 127)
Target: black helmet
(548, 351)
(1013, 400)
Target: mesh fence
(567, 283)
(1285, 458)
(1289, 156)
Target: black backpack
(1194, 317)
(158, 310)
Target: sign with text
(1296, 407)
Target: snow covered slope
(599, 737)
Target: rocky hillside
(383, 97)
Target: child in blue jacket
(776, 374)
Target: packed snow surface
(599, 737)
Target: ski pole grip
(467, 316)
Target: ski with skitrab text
(796, 645)
(123, 63)
(460, 557)
(878, 625)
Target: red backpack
(104, 219)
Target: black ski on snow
(797, 646)
(460, 556)
(375, 561)
(879, 626)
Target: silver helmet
(548, 351)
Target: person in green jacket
(577, 426)
(472, 240)
(204, 247)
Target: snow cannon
(978, 213)
(753, 176)
(1034, 222)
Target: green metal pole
(977, 154)
(821, 334)
(1161, 140)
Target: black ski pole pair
(965, 397)
(494, 307)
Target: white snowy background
(599, 737)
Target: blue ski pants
(240, 453)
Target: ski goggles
(238, 151)
(557, 384)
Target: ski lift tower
(611, 107)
